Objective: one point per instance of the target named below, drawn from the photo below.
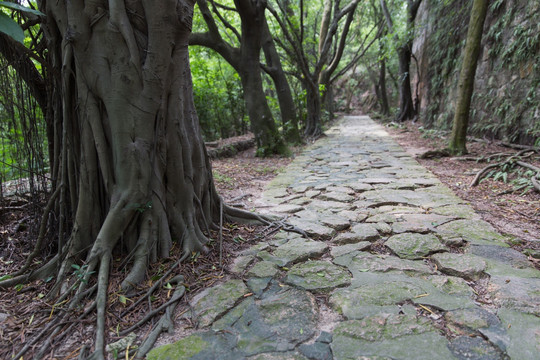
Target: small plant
(81, 272)
(222, 179)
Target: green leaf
(21, 8)
(320, 274)
(11, 28)
(122, 299)
(168, 286)
(5, 277)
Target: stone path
(395, 267)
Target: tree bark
(407, 110)
(313, 103)
(385, 109)
(286, 103)
(134, 173)
(458, 138)
(406, 105)
(263, 125)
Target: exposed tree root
(435, 154)
(513, 160)
(76, 289)
(231, 149)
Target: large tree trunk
(262, 122)
(458, 138)
(134, 133)
(133, 171)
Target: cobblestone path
(395, 267)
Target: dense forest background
(505, 103)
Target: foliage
(23, 144)
(217, 93)
(11, 27)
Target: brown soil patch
(242, 178)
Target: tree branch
(225, 22)
(18, 57)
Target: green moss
(182, 349)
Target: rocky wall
(506, 101)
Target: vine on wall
(506, 101)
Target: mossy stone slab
(364, 262)
(300, 249)
(524, 334)
(215, 301)
(467, 266)
(318, 276)
(414, 246)
(263, 269)
(476, 232)
(390, 336)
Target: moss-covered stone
(414, 246)
(363, 262)
(391, 336)
(318, 276)
(300, 249)
(182, 349)
(214, 301)
(476, 232)
(263, 269)
(463, 265)
(351, 301)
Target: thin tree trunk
(458, 138)
(286, 102)
(313, 103)
(406, 105)
(385, 109)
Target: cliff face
(506, 101)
